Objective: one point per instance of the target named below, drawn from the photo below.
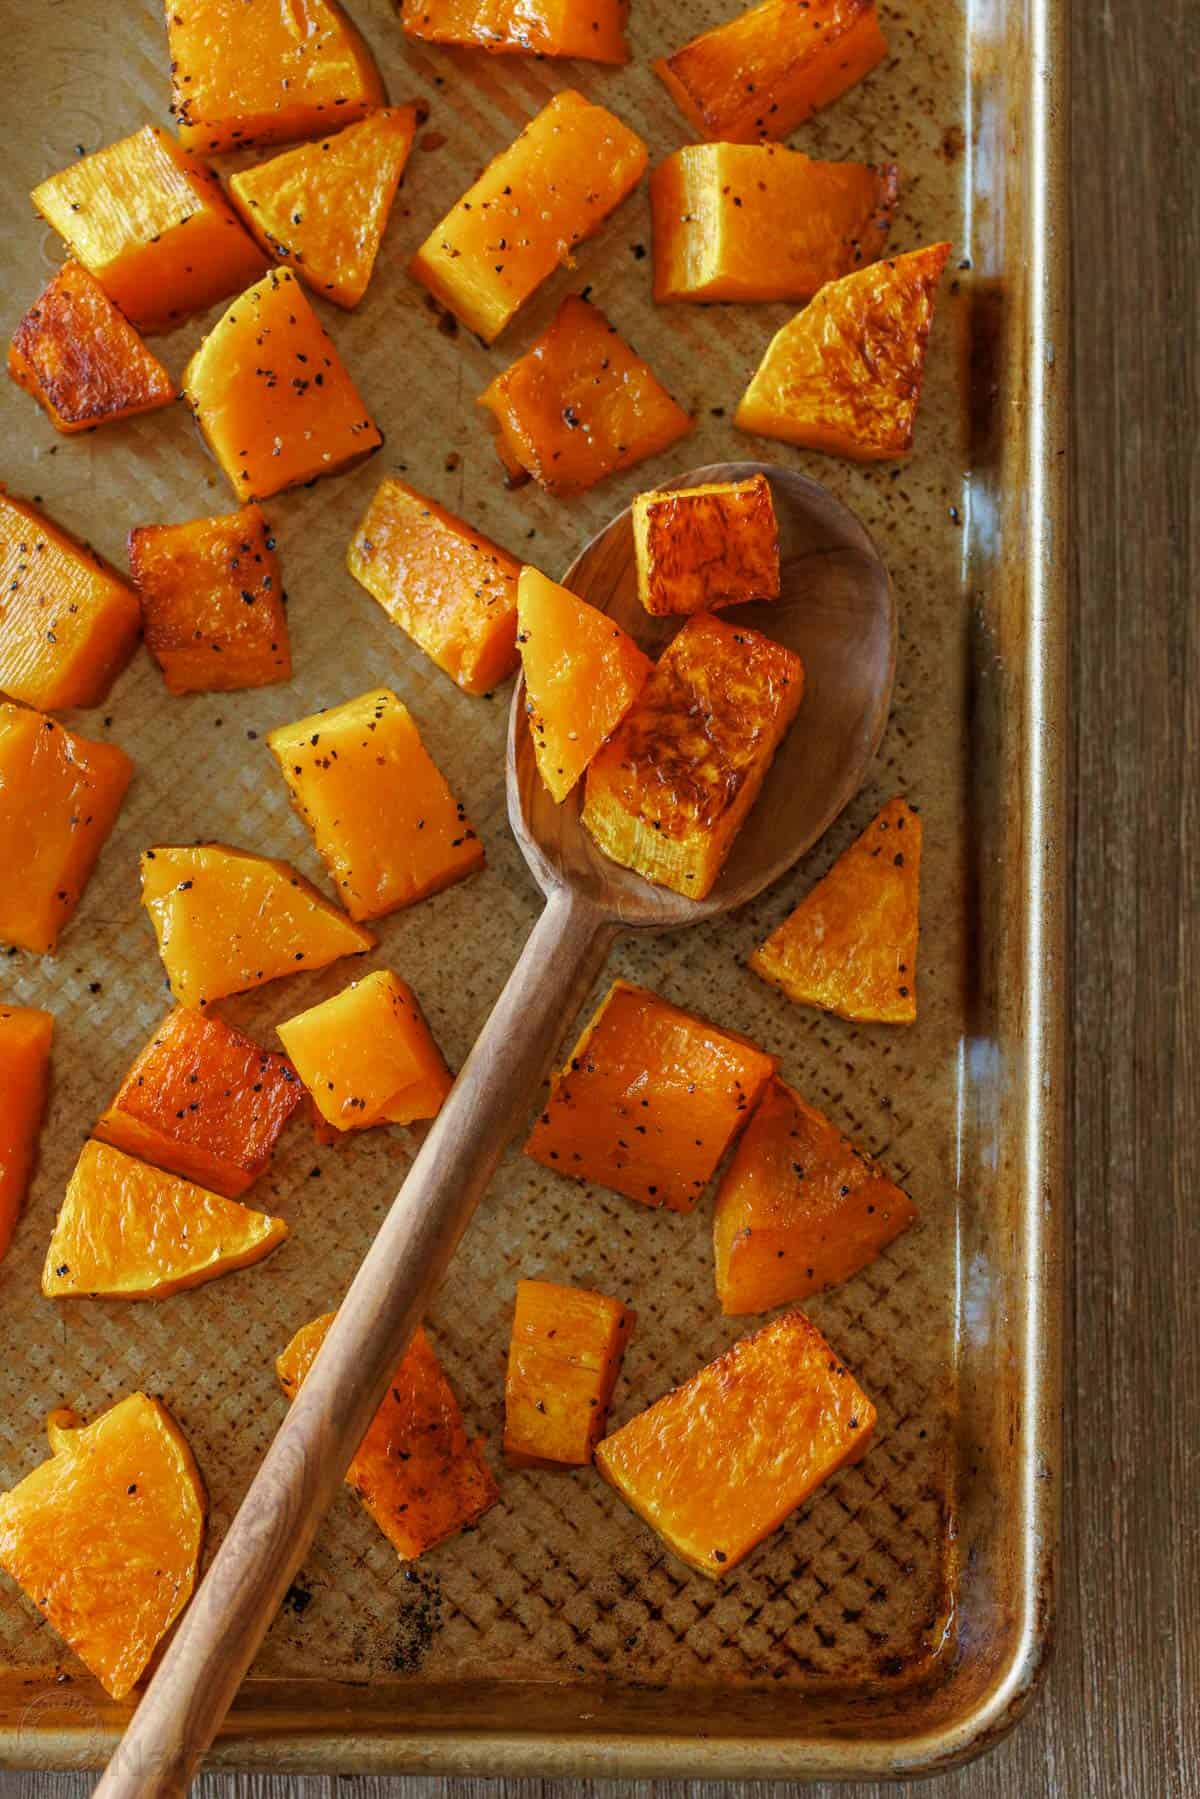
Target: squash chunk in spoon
(701, 547)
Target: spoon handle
(186, 1701)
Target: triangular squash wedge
(129, 1231)
(322, 208)
(582, 674)
(845, 374)
(81, 359)
(850, 946)
(227, 920)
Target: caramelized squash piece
(670, 790)
(594, 32)
(322, 208)
(68, 622)
(758, 222)
(550, 189)
(266, 71)
(385, 823)
(105, 1536)
(129, 1231)
(25, 1036)
(582, 674)
(580, 405)
(417, 1472)
(714, 545)
(563, 1362)
(845, 375)
(59, 799)
(81, 359)
(768, 69)
(649, 1101)
(204, 1102)
(367, 1055)
(799, 1208)
(227, 920)
(212, 602)
(718, 1464)
(151, 223)
(446, 585)
(850, 946)
(272, 395)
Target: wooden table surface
(1120, 1714)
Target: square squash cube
(25, 1037)
(81, 359)
(700, 547)
(367, 1055)
(563, 1362)
(385, 823)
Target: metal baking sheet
(901, 1620)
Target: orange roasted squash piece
(68, 622)
(850, 946)
(759, 222)
(417, 1471)
(592, 32)
(382, 816)
(670, 790)
(322, 208)
(129, 1231)
(580, 405)
(367, 1055)
(59, 799)
(649, 1101)
(713, 545)
(212, 602)
(81, 359)
(563, 1362)
(25, 1036)
(272, 396)
(764, 72)
(227, 920)
(582, 674)
(266, 71)
(552, 187)
(799, 1208)
(204, 1102)
(718, 1464)
(105, 1536)
(446, 585)
(151, 223)
(845, 375)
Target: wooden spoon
(837, 610)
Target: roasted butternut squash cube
(151, 223)
(714, 545)
(580, 405)
(367, 1055)
(419, 1474)
(759, 222)
(771, 67)
(446, 585)
(25, 1036)
(81, 359)
(592, 33)
(563, 1362)
(385, 823)
(261, 72)
(68, 622)
(227, 920)
(129, 1231)
(845, 375)
(850, 946)
(799, 1208)
(322, 208)
(272, 396)
(649, 1101)
(204, 1102)
(552, 187)
(670, 790)
(718, 1464)
(212, 602)
(582, 674)
(59, 799)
